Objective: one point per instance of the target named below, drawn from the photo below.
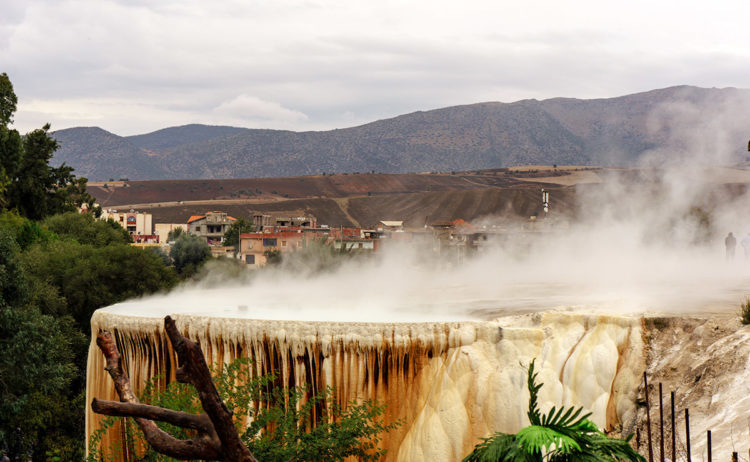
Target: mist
(643, 240)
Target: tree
(232, 234)
(89, 277)
(188, 253)
(561, 435)
(36, 367)
(174, 234)
(28, 183)
(85, 229)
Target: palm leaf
(539, 439)
(534, 415)
(501, 447)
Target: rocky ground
(704, 360)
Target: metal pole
(661, 426)
(674, 435)
(648, 420)
(687, 433)
(708, 440)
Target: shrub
(745, 312)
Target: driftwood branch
(217, 437)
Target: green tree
(174, 234)
(36, 367)
(282, 428)
(28, 183)
(85, 229)
(89, 277)
(24, 231)
(232, 234)
(561, 435)
(188, 253)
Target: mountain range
(619, 132)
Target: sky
(135, 66)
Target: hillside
(359, 200)
(563, 131)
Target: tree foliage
(561, 435)
(232, 234)
(282, 426)
(188, 253)
(90, 277)
(85, 229)
(36, 367)
(28, 183)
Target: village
(275, 235)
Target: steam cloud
(644, 240)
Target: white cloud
(251, 108)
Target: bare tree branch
(217, 438)
(194, 370)
(181, 419)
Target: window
(283, 243)
(269, 242)
(250, 259)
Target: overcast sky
(134, 66)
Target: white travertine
(450, 382)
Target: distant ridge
(563, 131)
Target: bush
(188, 254)
(745, 312)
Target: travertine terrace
(451, 382)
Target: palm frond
(501, 447)
(534, 415)
(539, 439)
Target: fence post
(661, 426)
(674, 436)
(687, 433)
(648, 419)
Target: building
(262, 221)
(163, 229)
(210, 226)
(136, 223)
(390, 226)
(255, 247)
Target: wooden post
(735, 457)
(648, 420)
(708, 443)
(661, 426)
(687, 433)
(674, 435)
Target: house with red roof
(210, 226)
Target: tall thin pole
(648, 420)
(687, 433)
(661, 426)
(708, 440)
(674, 435)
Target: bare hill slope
(563, 131)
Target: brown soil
(342, 200)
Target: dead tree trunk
(217, 437)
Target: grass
(745, 312)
